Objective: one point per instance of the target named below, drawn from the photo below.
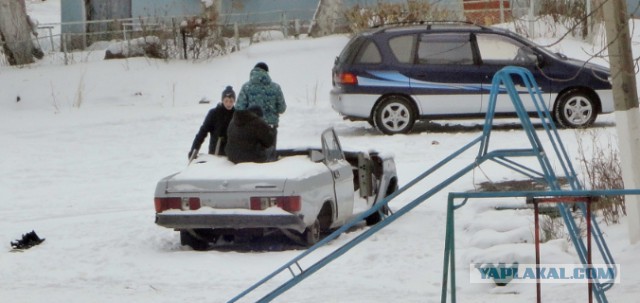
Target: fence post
(296, 27)
(124, 36)
(173, 32)
(285, 27)
(183, 34)
(51, 38)
(236, 35)
(84, 40)
(64, 47)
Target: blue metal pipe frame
(498, 156)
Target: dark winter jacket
(261, 91)
(248, 138)
(215, 124)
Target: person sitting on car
(249, 137)
(215, 124)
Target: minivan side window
(403, 48)
(498, 49)
(369, 54)
(450, 48)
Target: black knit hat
(262, 66)
(228, 92)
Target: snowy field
(84, 144)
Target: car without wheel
(304, 194)
(396, 75)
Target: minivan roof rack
(429, 24)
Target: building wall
(261, 11)
(258, 11)
(166, 8)
(112, 9)
(106, 10)
(633, 7)
(72, 11)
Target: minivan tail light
(288, 203)
(183, 203)
(347, 78)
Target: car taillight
(288, 203)
(347, 78)
(183, 203)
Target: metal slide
(502, 79)
(505, 78)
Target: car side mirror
(316, 155)
(539, 59)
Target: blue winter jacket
(261, 91)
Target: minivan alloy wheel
(576, 110)
(394, 115)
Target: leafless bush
(602, 169)
(551, 227)
(360, 18)
(56, 108)
(572, 14)
(80, 92)
(3, 60)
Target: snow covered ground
(84, 144)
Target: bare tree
(325, 18)
(625, 98)
(15, 32)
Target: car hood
(588, 65)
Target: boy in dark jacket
(249, 137)
(216, 124)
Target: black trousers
(272, 155)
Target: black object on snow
(28, 240)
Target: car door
(341, 172)
(445, 79)
(497, 51)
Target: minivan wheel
(395, 115)
(575, 109)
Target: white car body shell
(224, 190)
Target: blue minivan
(395, 75)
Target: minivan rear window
(350, 50)
(450, 48)
(369, 54)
